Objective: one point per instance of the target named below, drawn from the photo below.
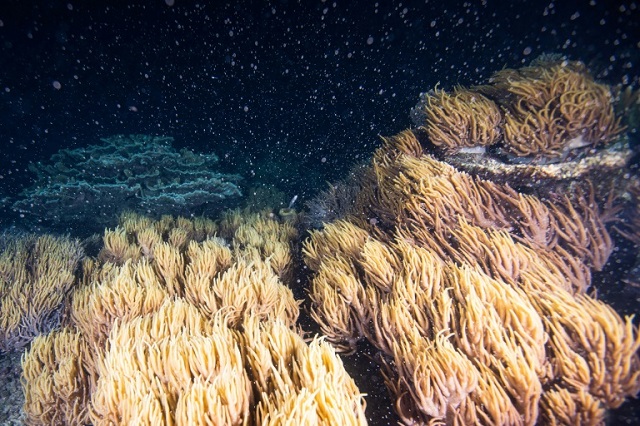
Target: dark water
(287, 94)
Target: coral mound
(475, 295)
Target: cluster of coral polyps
(172, 325)
(541, 111)
(36, 275)
(475, 295)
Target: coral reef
(562, 135)
(94, 184)
(475, 295)
(173, 324)
(467, 254)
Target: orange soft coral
(461, 119)
(541, 111)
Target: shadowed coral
(145, 174)
(336, 202)
(53, 375)
(36, 275)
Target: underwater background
(290, 94)
(113, 114)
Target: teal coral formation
(139, 173)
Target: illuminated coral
(167, 329)
(118, 295)
(173, 361)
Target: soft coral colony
(542, 111)
(172, 325)
(476, 296)
(475, 293)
